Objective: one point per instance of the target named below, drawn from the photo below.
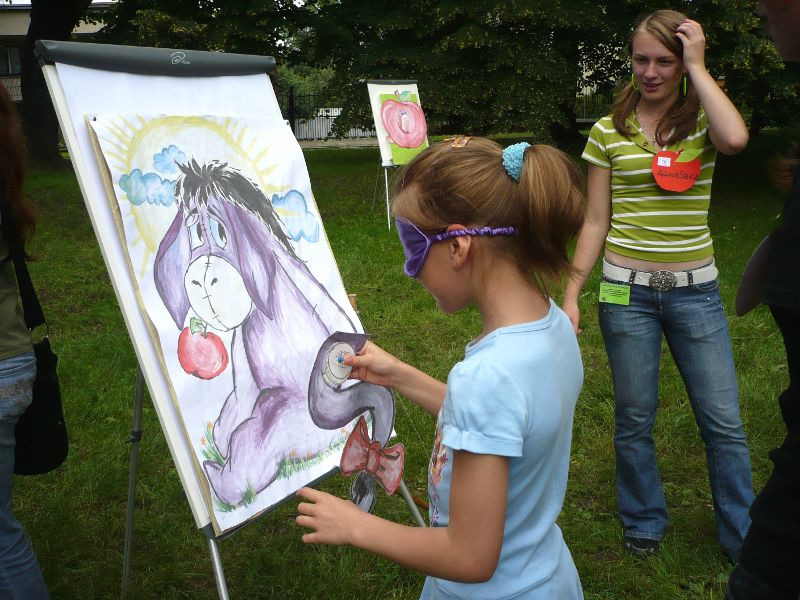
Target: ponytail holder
(513, 159)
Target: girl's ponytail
(552, 209)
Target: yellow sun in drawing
(135, 142)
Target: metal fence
(12, 83)
(310, 120)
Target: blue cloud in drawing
(293, 210)
(164, 161)
(147, 187)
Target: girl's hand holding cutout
(373, 365)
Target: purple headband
(417, 244)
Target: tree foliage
(484, 66)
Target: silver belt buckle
(662, 281)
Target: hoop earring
(683, 84)
(634, 85)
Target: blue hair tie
(513, 159)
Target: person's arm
(374, 365)
(467, 550)
(726, 128)
(591, 239)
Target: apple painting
(404, 121)
(676, 171)
(201, 353)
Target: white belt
(662, 281)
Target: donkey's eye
(195, 235)
(218, 232)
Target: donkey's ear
(172, 260)
(256, 257)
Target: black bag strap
(34, 316)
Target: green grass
(76, 515)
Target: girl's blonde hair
(467, 184)
(681, 117)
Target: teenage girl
(650, 167)
(487, 227)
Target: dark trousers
(771, 549)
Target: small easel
(385, 166)
(208, 530)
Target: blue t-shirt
(514, 395)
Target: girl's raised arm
(726, 128)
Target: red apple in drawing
(676, 171)
(404, 121)
(201, 353)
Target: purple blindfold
(417, 244)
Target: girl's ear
(459, 247)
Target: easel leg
(219, 575)
(136, 436)
(388, 210)
(411, 505)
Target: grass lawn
(76, 515)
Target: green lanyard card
(615, 293)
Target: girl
(649, 205)
(20, 576)
(486, 227)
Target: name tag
(615, 293)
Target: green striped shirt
(648, 222)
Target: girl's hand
(690, 34)
(373, 365)
(332, 519)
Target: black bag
(41, 434)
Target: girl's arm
(591, 239)
(467, 550)
(375, 365)
(726, 127)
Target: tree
(50, 20)
(485, 66)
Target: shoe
(640, 547)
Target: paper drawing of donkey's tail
(332, 407)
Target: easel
(85, 79)
(386, 167)
(208, 531)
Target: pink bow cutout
(362, 454)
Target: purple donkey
(227, 258)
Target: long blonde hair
(449, 184)
(680, 118)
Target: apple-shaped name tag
(201, 353)
(676, 171)
(404, 121)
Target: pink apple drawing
(404, 121)
(201, 353)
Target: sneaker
(639, 546)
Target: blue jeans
(694, 323)
(20, 575)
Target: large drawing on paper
(244, 299)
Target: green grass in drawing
(209, 448)
(295, 464)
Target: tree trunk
(50, 20)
